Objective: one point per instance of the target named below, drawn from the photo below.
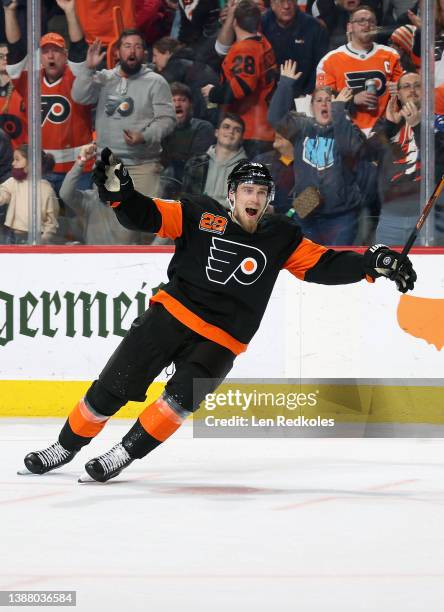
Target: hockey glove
(379, 260)
(112, 178)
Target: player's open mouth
(251, 212)
(324, 113)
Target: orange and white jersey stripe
(347, 67)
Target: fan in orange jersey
(248, 79)
(13, 119)
(359, 61)
(66, 125)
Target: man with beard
(66, 126)
(134, 108)
(395, 145)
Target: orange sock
(160, 420)
(84, 422)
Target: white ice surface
(263, 525)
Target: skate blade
(26, 472)
(86, 479)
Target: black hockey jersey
(221, 277)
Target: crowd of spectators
(327, 95)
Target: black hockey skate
(42, 461)
(109, 465)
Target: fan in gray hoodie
(99, 223)
(134, 104)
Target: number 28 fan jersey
(249, 75)
(221, 277)
(347, 67)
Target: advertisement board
(63, 313)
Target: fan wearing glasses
(395, 145)
(364, 66)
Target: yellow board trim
(47, 398)
(345, 403)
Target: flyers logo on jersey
(55, 109)
(234, 260)
(11, 125)
(356, 80)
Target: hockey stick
(421, 220)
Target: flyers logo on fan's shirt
(55, 108)
(123, 106)
(234, 260)
(12, 125)
(357, 78)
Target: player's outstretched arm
(134, 210)
(316, 264)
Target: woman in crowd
(327, 198)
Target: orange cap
(52, 38)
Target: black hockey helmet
(251, 172)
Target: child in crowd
(14, 193)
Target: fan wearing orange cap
(54, 56)
(66, 125)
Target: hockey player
(220, 280)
